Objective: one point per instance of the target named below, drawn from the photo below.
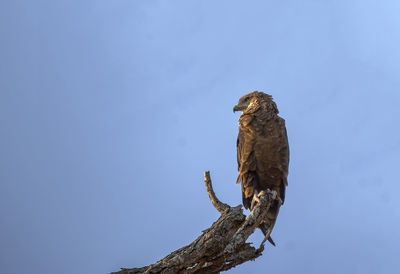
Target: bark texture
(220, 247)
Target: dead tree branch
(220, 247)
(221, 207)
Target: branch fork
(220, 247)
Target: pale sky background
(110, 112)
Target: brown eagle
(262, 153)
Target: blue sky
(110, 112)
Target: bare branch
(220, 247)
(221, 207)
(255, 217)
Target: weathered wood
(221, 207)
(220, 247)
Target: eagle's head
(255, 100)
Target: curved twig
(220, 206)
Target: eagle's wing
(285, 155)
(239, 147)
(246, 165)
(285, 151)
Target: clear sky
(110, 112)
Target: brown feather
(262, 150)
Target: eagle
(262, 154)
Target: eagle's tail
(268, 225)
(266, 230)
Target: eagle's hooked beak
(239, 107)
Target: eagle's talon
(262, 193)
(254, 201)
(273, 195)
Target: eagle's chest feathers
(262, 138)
(262, 125)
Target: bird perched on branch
(262, 153)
